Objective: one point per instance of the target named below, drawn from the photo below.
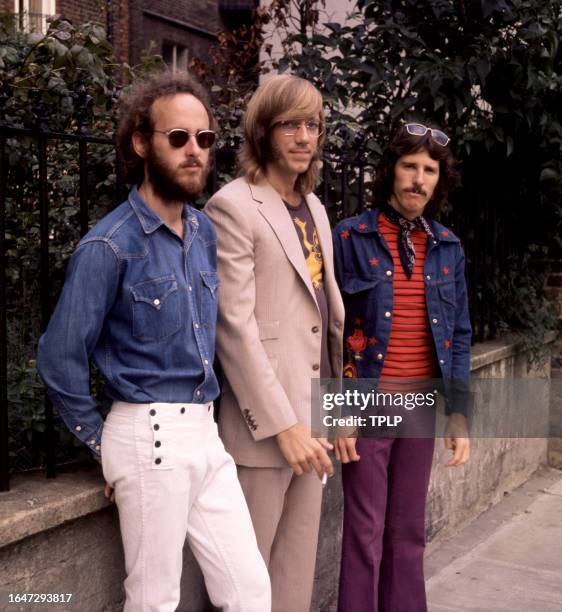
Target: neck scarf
(406, 249)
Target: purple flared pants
(383, 530)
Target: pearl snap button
(157, 302)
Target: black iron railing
(345, 190)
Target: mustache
(417, 190)
(189, 162)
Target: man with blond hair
(279, 326)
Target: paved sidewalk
(508, 560)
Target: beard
(167, 182)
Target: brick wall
(173, 22)
(121, 31)
(79, 11)
(191, 24)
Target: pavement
(507, 560)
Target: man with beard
(140, 298)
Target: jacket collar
(275, 212)
(368, 222)
(148, 219)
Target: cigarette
(324, 479)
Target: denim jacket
(142, 303)
(365, 271)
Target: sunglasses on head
(417, 129)
(178, 137)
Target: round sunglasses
(417, 129)
(178, 137)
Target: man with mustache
(279, 326)
(140, 298)
(402, 280)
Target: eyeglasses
(417, 129)
(178, 137)
(292, 126)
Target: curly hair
(135, 113)
(278, 95)
(402, 143)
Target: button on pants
(172, 480)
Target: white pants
(172, 479)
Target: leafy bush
(64, 81)
(490, 74)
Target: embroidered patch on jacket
(349, 370)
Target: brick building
(178, 29)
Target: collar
(148, 219)
(368, 223)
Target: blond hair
(276, 96)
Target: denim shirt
(142, 303)
(365, 272)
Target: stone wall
(554, 292)
(61, 536)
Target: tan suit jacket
(269, 323)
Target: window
(32, 14)
(175, 56)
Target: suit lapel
(274, 211)
(324, 233)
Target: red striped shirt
(410, 352)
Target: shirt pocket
(447, 300)
(209, 298)
(156, 308)
(360, 296)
